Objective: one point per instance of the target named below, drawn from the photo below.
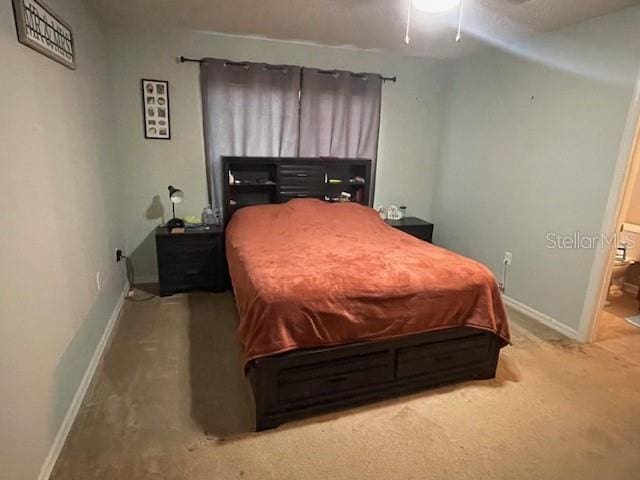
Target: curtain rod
(201, 60)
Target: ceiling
(366, 24)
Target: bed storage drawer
(303, 382)
(340, 375)
(443, 357)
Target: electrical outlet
(99, 281)
(508, 256)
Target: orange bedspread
(311, 274)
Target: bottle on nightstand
(208, 218)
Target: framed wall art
(155, 107)
(44, 31)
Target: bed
(337, 308)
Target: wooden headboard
(262, 180)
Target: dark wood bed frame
(305, 382)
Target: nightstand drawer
(183, 244)
(203, 255)
(192, 260)
(415, 227)
(423, 232)
(193, 268)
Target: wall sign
(41, 29)
(155, 105)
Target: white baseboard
(541, 317)
(67, 423)
(631, 288)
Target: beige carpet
(557, 410)
(614, 333)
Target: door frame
(627, 170)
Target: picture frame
(155, 109)
(39, 28)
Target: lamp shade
(175, 194)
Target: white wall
(409, 134)
(530, 140)
(59, 225)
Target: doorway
(616, 323)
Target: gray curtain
(248, 109)
(340, 115)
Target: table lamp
(176, 196)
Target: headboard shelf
(263, 180)
(247, 184)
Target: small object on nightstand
(393, 213)
(414, 226)
(192, 220)
(208, 218)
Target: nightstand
(414, 226)
(194, 260)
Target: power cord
(131, 276)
